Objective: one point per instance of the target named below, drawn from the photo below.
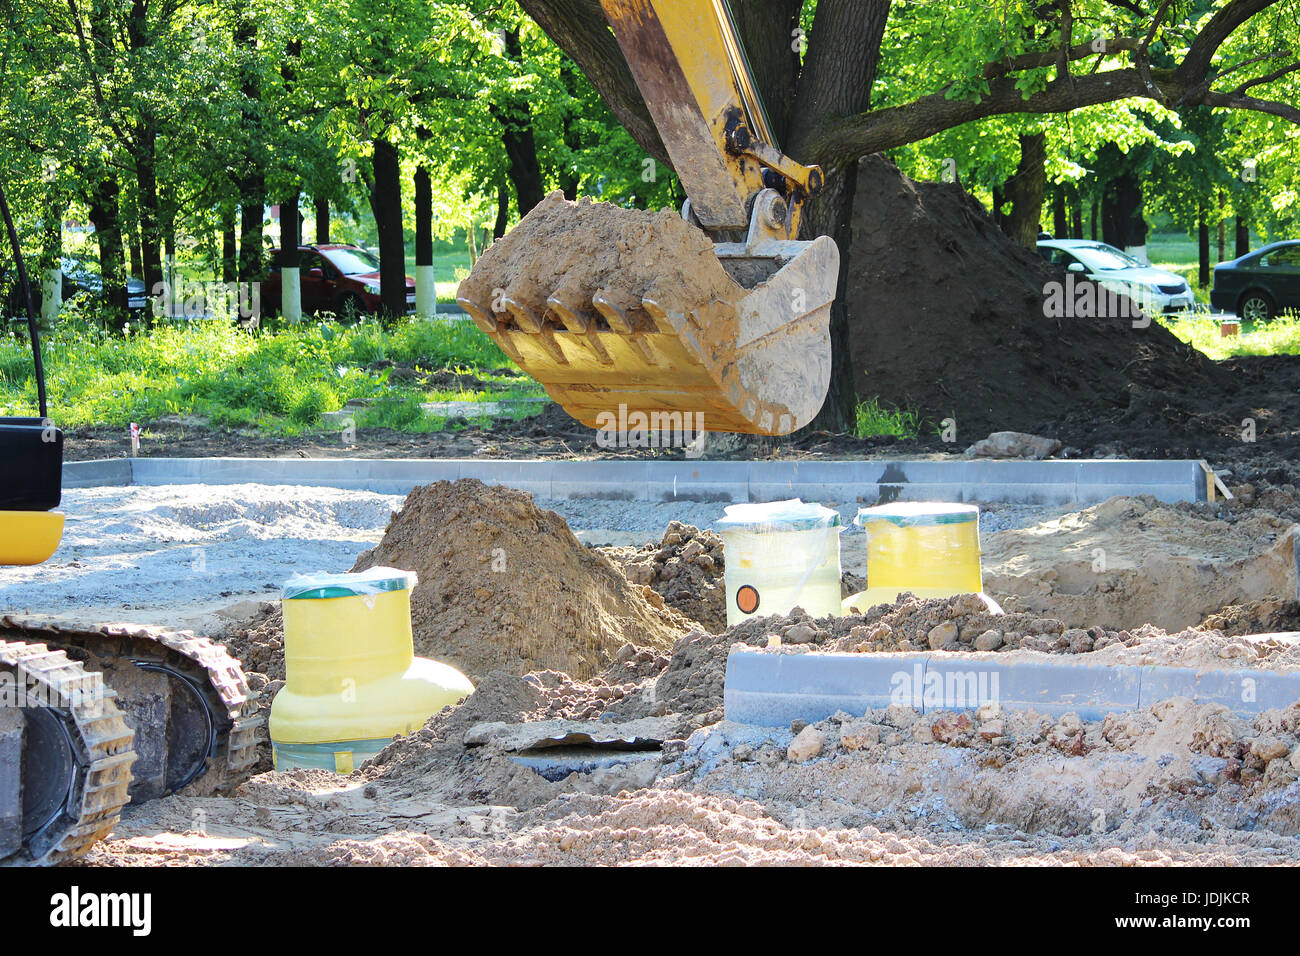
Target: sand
(1131, 561)
(577, 249)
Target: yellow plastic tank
(353, 681)
(781, 555)
(931, 549)
(29, 537)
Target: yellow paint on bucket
(353, 681)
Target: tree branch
(1080, 51)
(1268, 78)
(1196, 64)
(848, 138)
(894, 126)
(1238, 102)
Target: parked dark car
(337, 278)
(79, 278)
(1259, 285)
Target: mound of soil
(503, 585)
(581, 248)
(1133, 560)
(1257, 617)
(692, 683)
(685, 569)
(946, 316)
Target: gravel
(154, 554)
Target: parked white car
(1157, 290)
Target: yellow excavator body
(720, 314)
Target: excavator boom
(722, 315)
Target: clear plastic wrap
(327, 584)
(781, 555)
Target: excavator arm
(650, 320)
(691, 68)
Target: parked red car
(335, 278)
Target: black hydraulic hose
(27, 301)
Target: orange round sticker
(747, 599)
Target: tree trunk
(108, 233)
(1223, 238)
(1202, 248)
(229, 249)
(51, 271)
(1025, 190)
(1123, 225)
(386, 204)
(250, 229)
(837, 76)
(569, 178)
(516, 119)
(1094, 219)
(29, 306)
(290, 258)
(1076, 213)
(1243, 237)
(144, 153)
(503, 211)
(169, 246)
(147, 197)
(252, 180)
(426, 290)
(1060, 219)
(322, 206)
(133, 250)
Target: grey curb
(830, 482)
(771, 690)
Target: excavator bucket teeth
(618, 311)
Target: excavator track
(65, 759)
(196, 722)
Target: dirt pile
(577, 249)
(1185, 771)
(503, 585)
(1130, 561)
(692, 682)
(546, 769)
(1257, 617)
(259, 643)
(506, 585)
(947, 316)
(685, 568)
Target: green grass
(450, 265)
(279, 381)
(872, 418)
(1279, 337)
(1177, 252)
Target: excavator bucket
(619, 311)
